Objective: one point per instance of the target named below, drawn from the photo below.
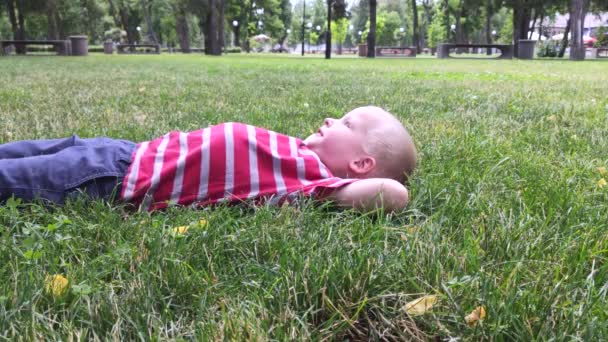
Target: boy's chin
(312, 140)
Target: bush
(602, 37)
(548, 48)
(235, 49)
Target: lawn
(507, 208)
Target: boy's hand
(370, 194)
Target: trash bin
(80, 45)
(525, 50)
(108, 48)
(362, 50)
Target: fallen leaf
(602, 183)
(552, 118)
(421, 305)
(203, 223)
(478, 314)
(180, 230)
(142, 89)
(601, 170)
(56, 284)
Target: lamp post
(235, 24)
(138, 28)
(453, 29)
(401, 30)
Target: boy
(359, 161)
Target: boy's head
(367, 142)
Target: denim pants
(57, 169)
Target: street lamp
(235, 23)
(453, 28)
(138, 28)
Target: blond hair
(392, 147)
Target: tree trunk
(182, 29)
(577, 16)
(220, 26)
(488, 25)
(328, 32)
(147, 4)
(540, 24)
(10, 7)
(371, 35)
(212, 41)
(446, 14)
(416, 36)
(533, 24)
(51, 15)
(521, 22)
(562, 50)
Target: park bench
(392, 51)
(602, 53)
(62, 47)
(133, 48)
(506, 50)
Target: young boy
(360, 161)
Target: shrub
(234, 49)
(548, 48)
(602, 37)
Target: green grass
(506, 211)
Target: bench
(132, 48)
(602, 53)
(506, 50)
(390, 51)
(62, 47)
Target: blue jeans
(57, 169)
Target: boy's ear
(362, 166)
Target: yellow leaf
(203, 223)
(142, 89)
(56, 284)
(479, 313)
(602, 183)
(413, 229)
(602, 170)
(421, 305)
(552, 118)
(180, 230)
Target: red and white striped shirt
(226, 162)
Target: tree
(339, 9)
(212, 28)
(126, 16)
(339, 30)
(578, 9)
(415, 25)
(437, 32)
(371, 36)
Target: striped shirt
(227, 162)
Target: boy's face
(339, 141)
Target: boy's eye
(347, 123)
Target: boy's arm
(370, 194)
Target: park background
(217, 26)
(508, 211)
